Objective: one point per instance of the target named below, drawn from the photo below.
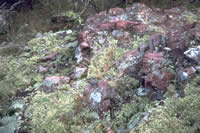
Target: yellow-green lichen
(139, 40)
(104, 61)
(190, 17)
(154, 28)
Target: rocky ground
(125, 70)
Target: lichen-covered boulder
(99, 96)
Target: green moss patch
(178, 115)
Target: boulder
(98, 96)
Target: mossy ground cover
(177, 115)
(63, 111)
(21, 71)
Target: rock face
(154, 61)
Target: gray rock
(78, 55)
(117, 33)
(193, 53)
(79, 72)
(101, 40)
(142, 91)
(18, 104)
(9, 124)
(38, 35)
(197, 68)
(95, 97)
(183, 76)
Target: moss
(171, 90)
(103, 62)
(55, 42)
(178, 115)
(47, 111)
(17, 75)
(61, 112)
(64, 87)
(190, 17)
(153, 28)
(20, 71)
(139, 40)
(12, 49)
(123, 116)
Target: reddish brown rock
(106, 26)
(116, 11)
(141, 28)
(149, 61)
(49, 57)
(98, 96)
(170, 36)
(154, 57)
(159, 80)
(125, 24)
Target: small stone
(183, 76)
(117, 33)
(197, 68)
(142, 91)
(102, 40)
(193, 53)
(51, 84)
(38, 35)
(190, 71)
(79, 72)
(69, 32)
(78, 55)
